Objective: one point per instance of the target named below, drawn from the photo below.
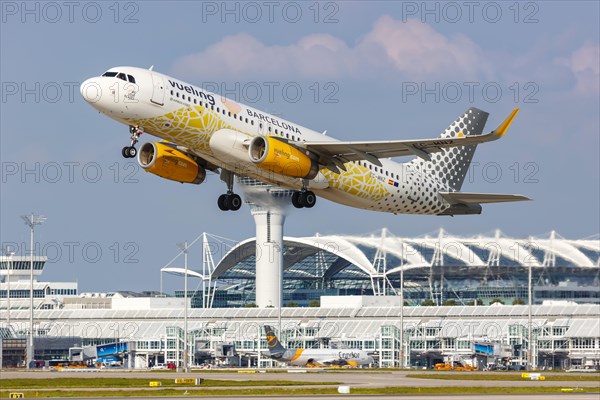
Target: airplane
(314, 357)
(202, 131)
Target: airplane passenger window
(269, 129)
(122, 76)
(177, 94)
(229, 113)
(110, 74)
(246, 120)
(171, 93)
(260, 125)
(218, 109)
(276, 131)
(224, 112)
(194, 101)
(131, 78)
(251, 122)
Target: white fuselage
(188, 116)
(325, 357)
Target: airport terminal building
(465, 299)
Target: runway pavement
(348, 377)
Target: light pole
(184, 246)
(9, 255)
(10, 268)
(529, 335)
(402, 317)
(31, 221)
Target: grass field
(64, 383)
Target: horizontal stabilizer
(480, 198)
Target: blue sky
(365, 70)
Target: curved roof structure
(387, 254)
(298, 250)
(355, 265)
(433, 266)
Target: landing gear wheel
(304, 199)
(308, 199)
(296, 200)
(222, 202)
(234, 202)
(229, 202)
(131, 152)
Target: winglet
(503, 127)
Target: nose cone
(91, 91)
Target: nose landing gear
(130, 151)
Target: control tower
(15, 284)
(268, 207)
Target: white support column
(268, 207)
(269, 255)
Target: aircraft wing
(335, 154)
(326, 362)
(480, 198)
(334, 361)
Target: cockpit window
(110, 74)
(122, 76)
(131, 78)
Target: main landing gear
(229, 201)
(130, 151)
(304, 199)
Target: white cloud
(585, 66)
(417, 49)
(411, 49)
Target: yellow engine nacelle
(170, 163)
(281, 158)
